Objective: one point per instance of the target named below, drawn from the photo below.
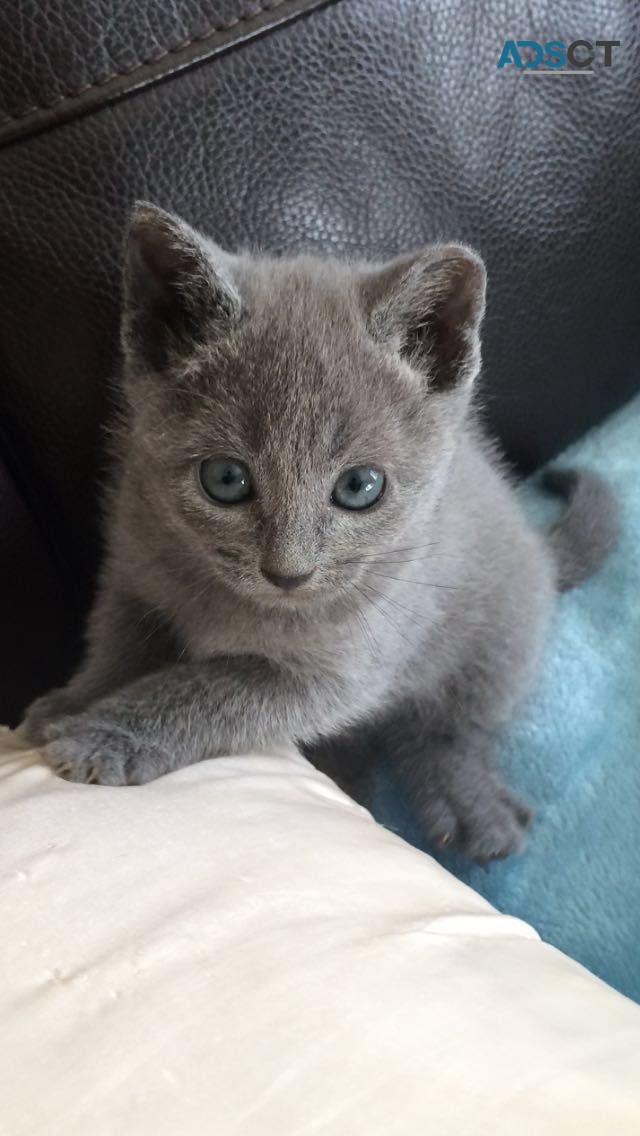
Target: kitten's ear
(177, 288)
(428, 308)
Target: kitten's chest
(310, 645)
(371, 649)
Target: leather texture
(72, 59)
(366, 127)
(33, 615)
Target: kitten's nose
(286, 582)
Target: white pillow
(237, 948)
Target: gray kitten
(308, 539)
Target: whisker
(153, 628)
(416, 547)
(391, 558)
(385, 615)
(399, 549)
(367, 631)
(422, 583)
(418, 616)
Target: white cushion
(239, 949)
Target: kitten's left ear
(178, 288)
(428, 308)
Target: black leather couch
(354, 127)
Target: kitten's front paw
(45, 710)
(497, 830)
(97, 753)
(488, 827)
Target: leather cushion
(73, 57)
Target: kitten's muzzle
(287, 583)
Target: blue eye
(225, 480)
(358, 488)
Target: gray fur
(588, 529)
(421, 627)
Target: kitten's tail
(588, 529)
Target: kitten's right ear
(428, 308)
(178, 289)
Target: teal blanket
(575, 753)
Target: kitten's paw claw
(95, 753)
(492, 828)
(442, 823)
(497, 830)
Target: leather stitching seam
(104, 80)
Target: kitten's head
(290, 419)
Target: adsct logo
(554, 57)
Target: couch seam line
(126, 72)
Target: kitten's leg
(444, 743)
(457, 791)
(190, 711)
(452, 782)
(124, 640)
